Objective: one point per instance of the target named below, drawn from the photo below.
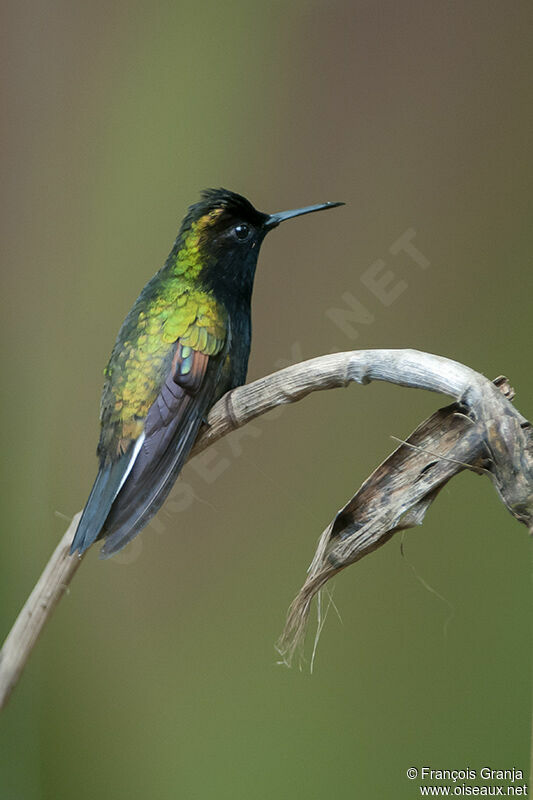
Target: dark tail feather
(145, 491)
(100, 501)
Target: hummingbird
(184, 344)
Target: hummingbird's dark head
(219, 241)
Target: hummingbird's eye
(242, 231)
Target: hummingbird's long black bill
(274, 219)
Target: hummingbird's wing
(170, 430)
(161, 380)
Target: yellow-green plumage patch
(190, 259)
(173, 309)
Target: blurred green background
(156, 676)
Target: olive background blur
(157, 675)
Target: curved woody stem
(493, 428)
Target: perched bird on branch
(184, 344)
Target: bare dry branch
(482, 430)
(400, 491)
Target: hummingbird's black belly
(235, 366)
(239, 349)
